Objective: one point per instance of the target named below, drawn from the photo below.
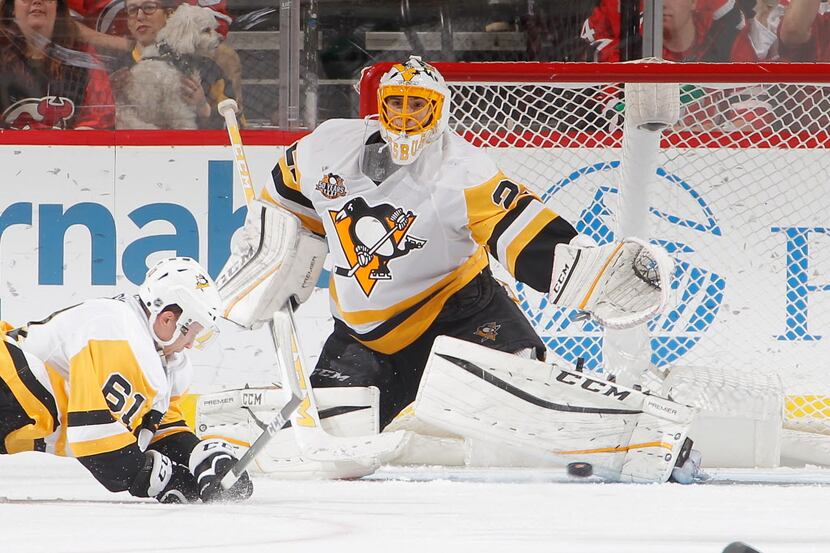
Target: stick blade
(369, 451)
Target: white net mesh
(740, 200)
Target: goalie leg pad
(622, 284)
(240, 416)
(557, 415)
(274, 259)
(739, 424)
(657, 440)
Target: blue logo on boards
(700, 291)
(55, 220)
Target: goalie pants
(482, 312)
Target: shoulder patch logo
(372, 236)
(488, 331)
(331, 186)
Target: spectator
(758, 40)
(145, 18)
(692, 31)
(103, 23)
(49, 77)
(805, 31)
(690, 35)
(101, 41)
(109, 16)
(804, 36)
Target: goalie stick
(314, 442)
(273, 427)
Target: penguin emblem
(488, 331)
(372, 236)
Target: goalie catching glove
(622, 284)
(273, 260)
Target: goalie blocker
(274, 260)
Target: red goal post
(741, 198)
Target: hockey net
(741, 199)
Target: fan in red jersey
(758, 40)
(693, 31)
(804, 32)
(51, 79)
(110, 17)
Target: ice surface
(52, 505)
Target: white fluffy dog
(152, 97)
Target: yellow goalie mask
(413, 108)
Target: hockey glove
(621, 285)
(209, 462)
(165, 480)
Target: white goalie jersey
(401, 247)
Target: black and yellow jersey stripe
(517, 228)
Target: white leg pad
(740, 418)
(238, 415)
(556, 415)
(656, 441)
(427, 444)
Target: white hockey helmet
(409, 126)
(181, 281)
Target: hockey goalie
(426, 343)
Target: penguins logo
(201, 282)
(406, 72)
(372, 236)
(488, 331)
(331, 186)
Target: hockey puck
(580, 469)
(738, 547)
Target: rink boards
(79, 221)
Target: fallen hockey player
(103, 380)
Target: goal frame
(644, 71)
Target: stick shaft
(228, 111)
(256, 448)
(240, 159)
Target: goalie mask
(183, 282)
(413, 108)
